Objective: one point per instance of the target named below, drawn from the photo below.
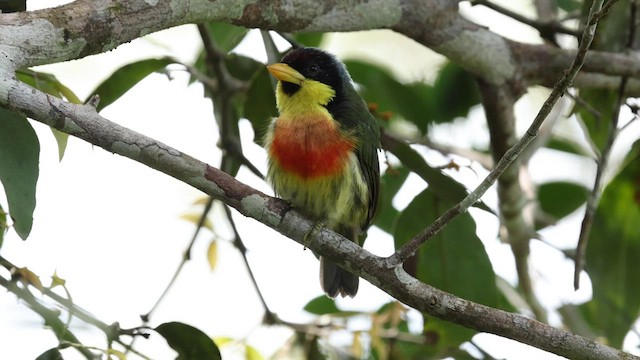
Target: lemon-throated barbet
(322, 151)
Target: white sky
(111, 227)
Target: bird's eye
(313, 69)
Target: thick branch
(87, 27)
(516, 214)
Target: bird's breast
(310, 148)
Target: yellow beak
(286, 73)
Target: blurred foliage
(612, 256)
(9, 6)
(572, 195)
(4, 226)
(455, 260)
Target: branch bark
(516, 213)
(87, 27)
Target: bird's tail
(336, 280)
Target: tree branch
(516, 212)
(87, 27)
(543, 27)
(84, 122)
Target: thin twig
(52, 320)
(483, 159)
(516, 211)
(112, 332)
(602, 12)
(543, 28)
(186, 256)
(273, 55)
(49, 316)
(485, 355)
(603, 160)
(585, 104)
(408, 249)
(221, 96)
(269, 316)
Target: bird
(322, 152)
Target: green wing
(367, 154)
(354, 116)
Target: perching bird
(322, 152)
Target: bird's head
(309, 78)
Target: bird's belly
(341, 199)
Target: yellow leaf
(251, 353)
(212, 254)
(222, 341)
(57, 281)
(119, 354)
(195, 218)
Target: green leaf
(19, 156)
(51, 354)
(126, 77)
(260, 104)
(189, 342)
(566, 145)
(242, 67)
(597, 125)
(560, 199)
(226, 36)
(51, 85)
(612, 257)
(569, 5)
(442, 185)
(613, 29)
(68, 94)
(455, 261)
(390, 183)
(39, 80)
(322, 305)
(456, 91)
(309, 39)
(414, 102)
(47, 83)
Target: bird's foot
(312, 233)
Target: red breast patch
(310, 148)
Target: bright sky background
(111, 227)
